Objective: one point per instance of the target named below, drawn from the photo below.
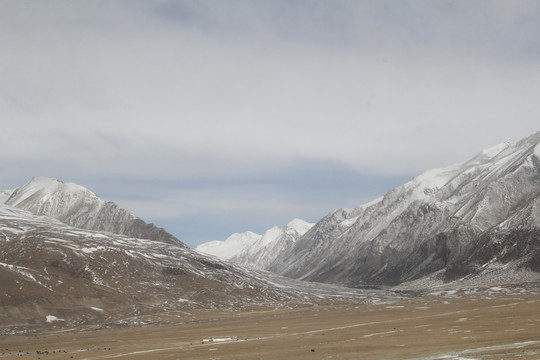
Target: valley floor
(445, 326)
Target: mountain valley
(446, 266)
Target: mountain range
(69, 259)
(478, 220)
(254, 250)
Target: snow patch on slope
(5, 195)
(537, 151)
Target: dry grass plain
(497, 327)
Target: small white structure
(51, 318)
(214, 340)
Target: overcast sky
(214, 117)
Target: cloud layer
(235, 107)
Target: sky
(214, 117)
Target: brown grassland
(428, 327)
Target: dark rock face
(137, 228)
(522, 246)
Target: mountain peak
(257, 250)
(231, 247)
(77, 206)
(488, 154)
(299, 225)
(44, 187)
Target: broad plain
(485, 325)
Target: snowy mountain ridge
(448, 221)
(433, 222)
(77, 206)
(231, 247)
(256, 250)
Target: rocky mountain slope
(53, 274)
(79, 207)
(456, 219)
(466, 220)
(254, 250)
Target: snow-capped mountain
(455, 221)
(79, 207)
(254, 250)
(480, 217)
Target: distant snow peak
(299, 225)
(231, 247)
(257, 250)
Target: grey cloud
(183, 91)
